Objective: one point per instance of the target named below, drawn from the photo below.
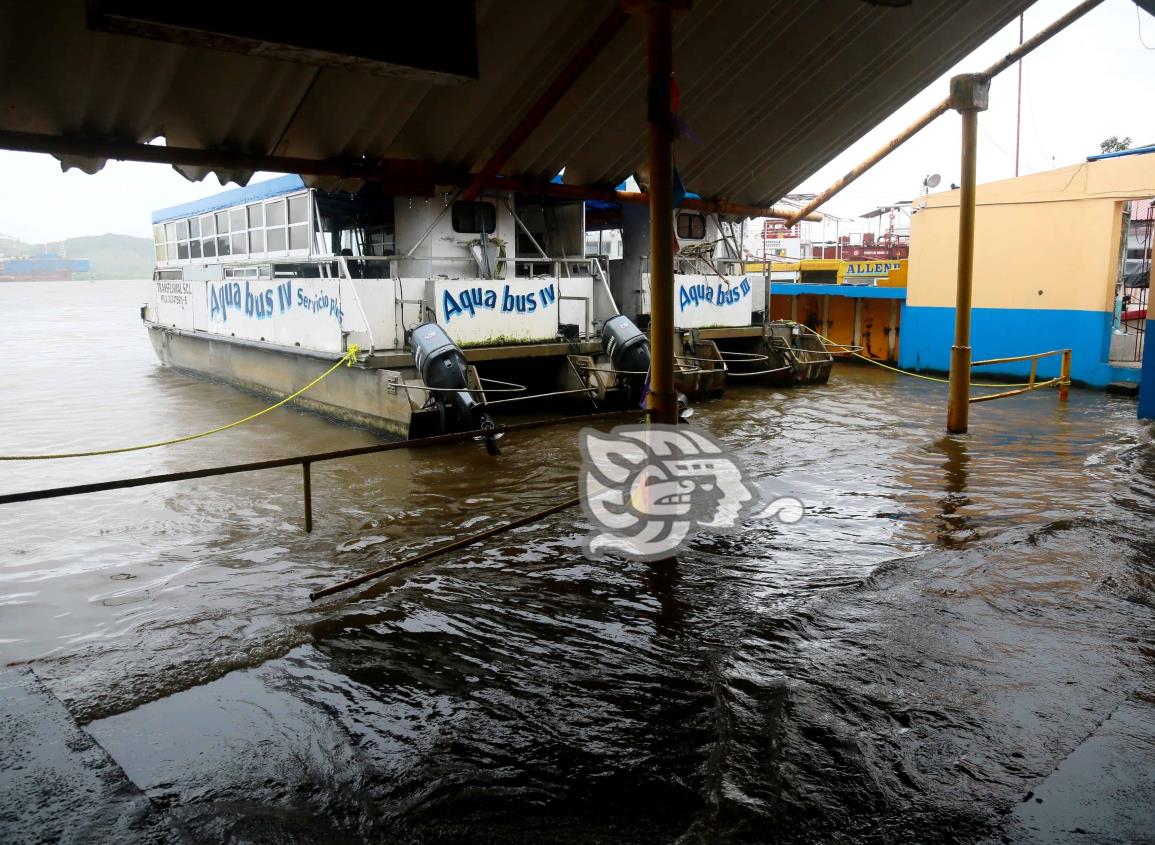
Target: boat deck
(400, 358)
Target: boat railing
(707, 265)
(597, 273)
(557, 263)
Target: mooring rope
(828, 342)
(347, 359)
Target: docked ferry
(266, 286)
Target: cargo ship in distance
(42, 267)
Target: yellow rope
(828, 342)
(348, 358)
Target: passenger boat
(723, 325)
(454, 306)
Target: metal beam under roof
(832, 69)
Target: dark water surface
(954, 617)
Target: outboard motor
(627, 345)
(629, 351)
(442, 366)
(628, 348)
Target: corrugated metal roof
(771, 89)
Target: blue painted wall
(927, 334)
(1147, 383)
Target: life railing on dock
(304, 461)
(1063, 380)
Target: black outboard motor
(629, 351)
(627, 345)
(442, 366)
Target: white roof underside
(772, 89)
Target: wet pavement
(955, 645)
(56, 783)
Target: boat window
(299, 208)
(194, 228)
(170, 231)
(299, 236)
(169, 275)
(194, 249)
(275, 213)
(182, 230)
(159, 242)
(819, 277)
(691, 226)
(208, 226)
(182, 250)
(297, 271)
(239, 242)
(222, 243)
(256, 217)
(222, 222)
(209, 247)
(470, 217)
(242, 272)
(257, 240)
(379, 240)
(237, 220)
(275, 239)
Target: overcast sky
(1090, 82)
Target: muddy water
(953, 618)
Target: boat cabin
(281, 263)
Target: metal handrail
(303, 461)
(1063, 380)
(357, 296)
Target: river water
(952, 619)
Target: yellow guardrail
(850, 349)
(1063, 380)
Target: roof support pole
(663, 398)
(942, 108)
(549, 98)
(969, 94)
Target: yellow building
(854, 303)
(1047, 266)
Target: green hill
(113, 256)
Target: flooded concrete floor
(955, 645)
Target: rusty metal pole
(659, 49)
(1019, 99)
(969, 93)
(308, 479)
(905, 135)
